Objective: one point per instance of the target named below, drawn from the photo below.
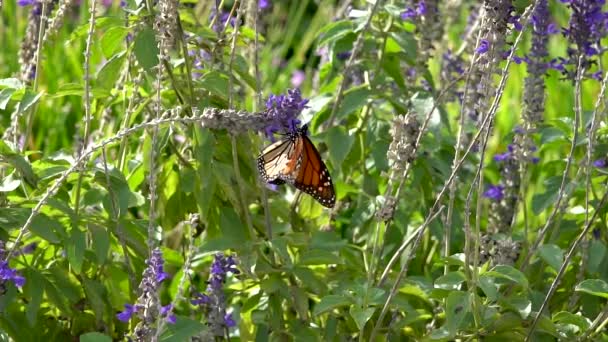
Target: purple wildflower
(166, 311)
(587, 25)
(297, 78)
(263, 4)
(229, 321)
(409, 13)
(125, 316)
(494, 192)
(282, 111)
(601, 163)
(213, 303)
(484, 46)
(28, 249)
(502, 156)
(24, 3)
(6, 272)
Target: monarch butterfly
(295, 160)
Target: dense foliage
(466, 142)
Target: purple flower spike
(282, 112)
(484, 46)
(494, 192)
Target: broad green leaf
(361, 315)
(5, 97)
(76, 246)
(146, 49)
(391, 63)
(215, 82)
(552, 255)
(9, 183)
(95, 337)
(340, 143)
(566, 317)
(597, 252)
(488, 286)
(14, 83)
(522, 305)
(354, 99)
(595, 287)
(110, 72)
(28, 100)
(34, 290)
(100, 242)
(450, 281)
(329, 303)
(46, 228)
(457, 306)
(23, 166)
(96, 295)
(510, 273)
(334, 31)
(113, 40)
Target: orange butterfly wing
(296, 161)
(313, 177)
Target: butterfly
(295, 160)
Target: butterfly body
(295, 160)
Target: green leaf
(5, 97)
(14, 83)
(23, 166)
(95, 337)
(214, 82)
(46, 228)
(33, 290)
(145, 49)
(450, 281)
(391, 63)
(354, 99)
(488, 287)
(566, 317)
(361, 315)
(319, 257)
(9, 183)
(540, 202)
(76, 246)
(522, 305)
(334, 31)
(100, 242)
(110, 72)
(112, 40)
(340, 143)
(552, 255)
(597, 252)
(28, 100)
(457, 306)
(329, 303)
(595, 287)
(510, 273)
(96, 295)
